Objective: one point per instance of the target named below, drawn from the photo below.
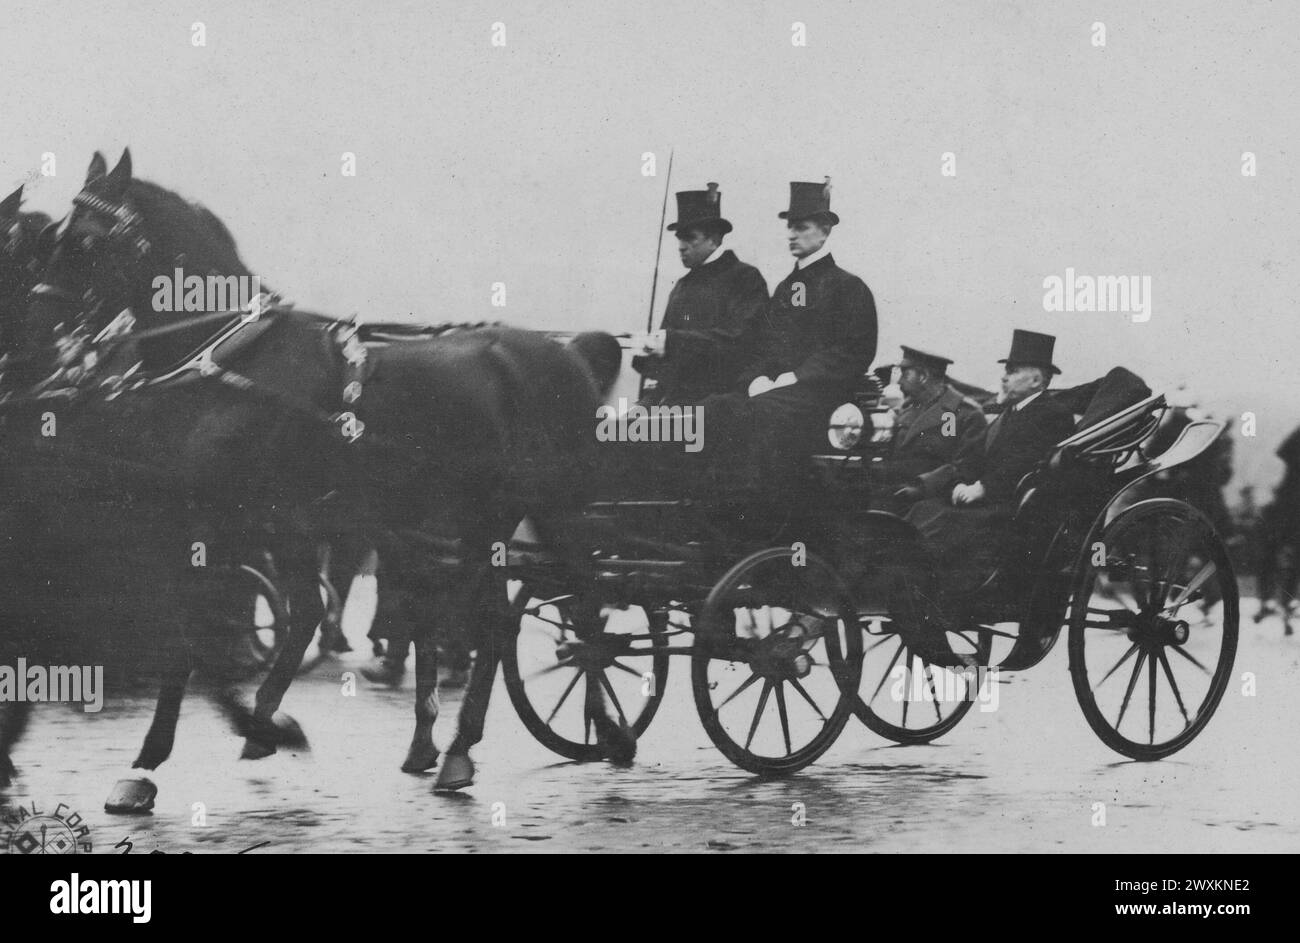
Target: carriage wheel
(252, 613)
(905, 698)
(558, 652)
(776, 662)
(1153, 628)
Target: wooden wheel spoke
(1180, 650)
(1173, 685)
(622, 667)
(807, 697)
(1151, 700)
(785, 720)
(1115, 667)
(762, 703)
(1132, 682)
(933, 693)
(885, 677)
(1194, 584)
(609, 689)
(735, 694)
(907, 684)
(564, 697)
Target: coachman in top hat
(711, 310)
(814, 341)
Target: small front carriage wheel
(776, 661)
(1153, 628)
(564, 661)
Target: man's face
(911, 380)
(1019, 381)
(806, 237)
(694, 247)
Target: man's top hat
(700, 208)
(810, 201)
(919, 358)
(1032, 348)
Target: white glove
(760, 386)
(785, 379)
(968, 494)
(651, 344)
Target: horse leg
(1267, 568)
(136, 793)
(264, 730)
(13, 721)
(485, 610)
(423, 755)
(613, 734)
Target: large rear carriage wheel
(776, 661)
(1153, 628)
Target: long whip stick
(659, 249)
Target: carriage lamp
(846, 426)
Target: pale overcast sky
(522, 164)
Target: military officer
(934, 421)
(711, 310)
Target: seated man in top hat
(710, 313)
(967, 499)
(932, 425)
(811, 346)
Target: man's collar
(817, 256)
(1026, 401)
(716, 254)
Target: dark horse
(471, 429)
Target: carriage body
(749, 600)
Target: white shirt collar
(808, 260)
(714, 256)
(1026, 401)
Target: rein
(204, 365)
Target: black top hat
(913, 357)
(1032, 348)
(700, 207)
(810, 201)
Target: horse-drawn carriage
(787, 640)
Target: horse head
(122, 235)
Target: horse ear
(98, 167)
(9, 206)
(120, 176)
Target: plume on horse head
(25, 241)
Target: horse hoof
(457, 772)
(131, 796)
(420, 758)
(288, 733)
(256, 749)
(617, 740)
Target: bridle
(81, 355)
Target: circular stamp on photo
(30, 831)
